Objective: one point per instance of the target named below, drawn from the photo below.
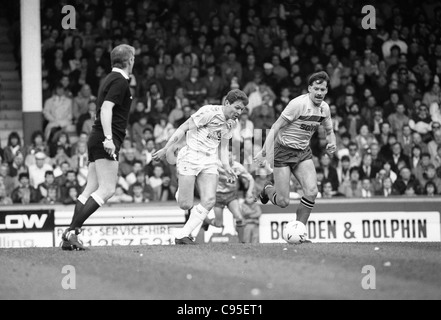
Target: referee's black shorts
(96, 149)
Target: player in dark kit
(108, 133)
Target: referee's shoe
(72, 237)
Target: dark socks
(88, 209)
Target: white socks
(97, 199)
(197, 216)
(82, 199)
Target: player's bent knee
(283, 202)
(209, 203)
(311, 194)
(186, 205)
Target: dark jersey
(115, 88)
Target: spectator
(406, 179)
(430, 176)
(79, 163)
(437, 160)
(251, 212)
(52, 196)
(81, 102)
(139, 196)
(18, 166)
(9, 182)
(421, 123)
(435, 112)
(398, 120)
(343, 170)
(170, 84)
(367, 190)
(387, 189)
(25, 193)
(434, 144)
(176, 105)
(405, 139)
(354, 155)
(263, 116)
(38, 171)
(71, 181)
(72, 194)
(231, 68)
(163, 131)
(244, 129)
(194, 87)
(156, 182)
(214, 85)
(250, 69)
(415, 159)
(37, 145)
(367, 170)
(364, 138)
(354, 121)
(4, 199)
(138, 129)
(397, 156)
(60, 140)
(49, 182)
(120, 196)
(57, 111)
(393, 41)
(353, 187)
(13, 147)
(329, 172)
(86, 121)
(417, 140)
(432, 96)
(430, 189)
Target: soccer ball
(294, 232)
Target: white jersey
(304, 119)
(212, 126)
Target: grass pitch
(225, 272)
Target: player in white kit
(205, 130)
(287, 147)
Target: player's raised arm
(177, 136)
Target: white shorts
(193, 163)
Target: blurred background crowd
(384, 91)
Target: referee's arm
(106, 114)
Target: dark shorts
(224, 199)
(96, 149)
(288, 157)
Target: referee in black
(113, 107)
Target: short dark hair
(319, 77)
(235, 95)
(23, 175)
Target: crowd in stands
(384, 91)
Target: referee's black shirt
(116, 89)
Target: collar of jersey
(122, 72)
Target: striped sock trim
(274, 199)
(307, 203)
